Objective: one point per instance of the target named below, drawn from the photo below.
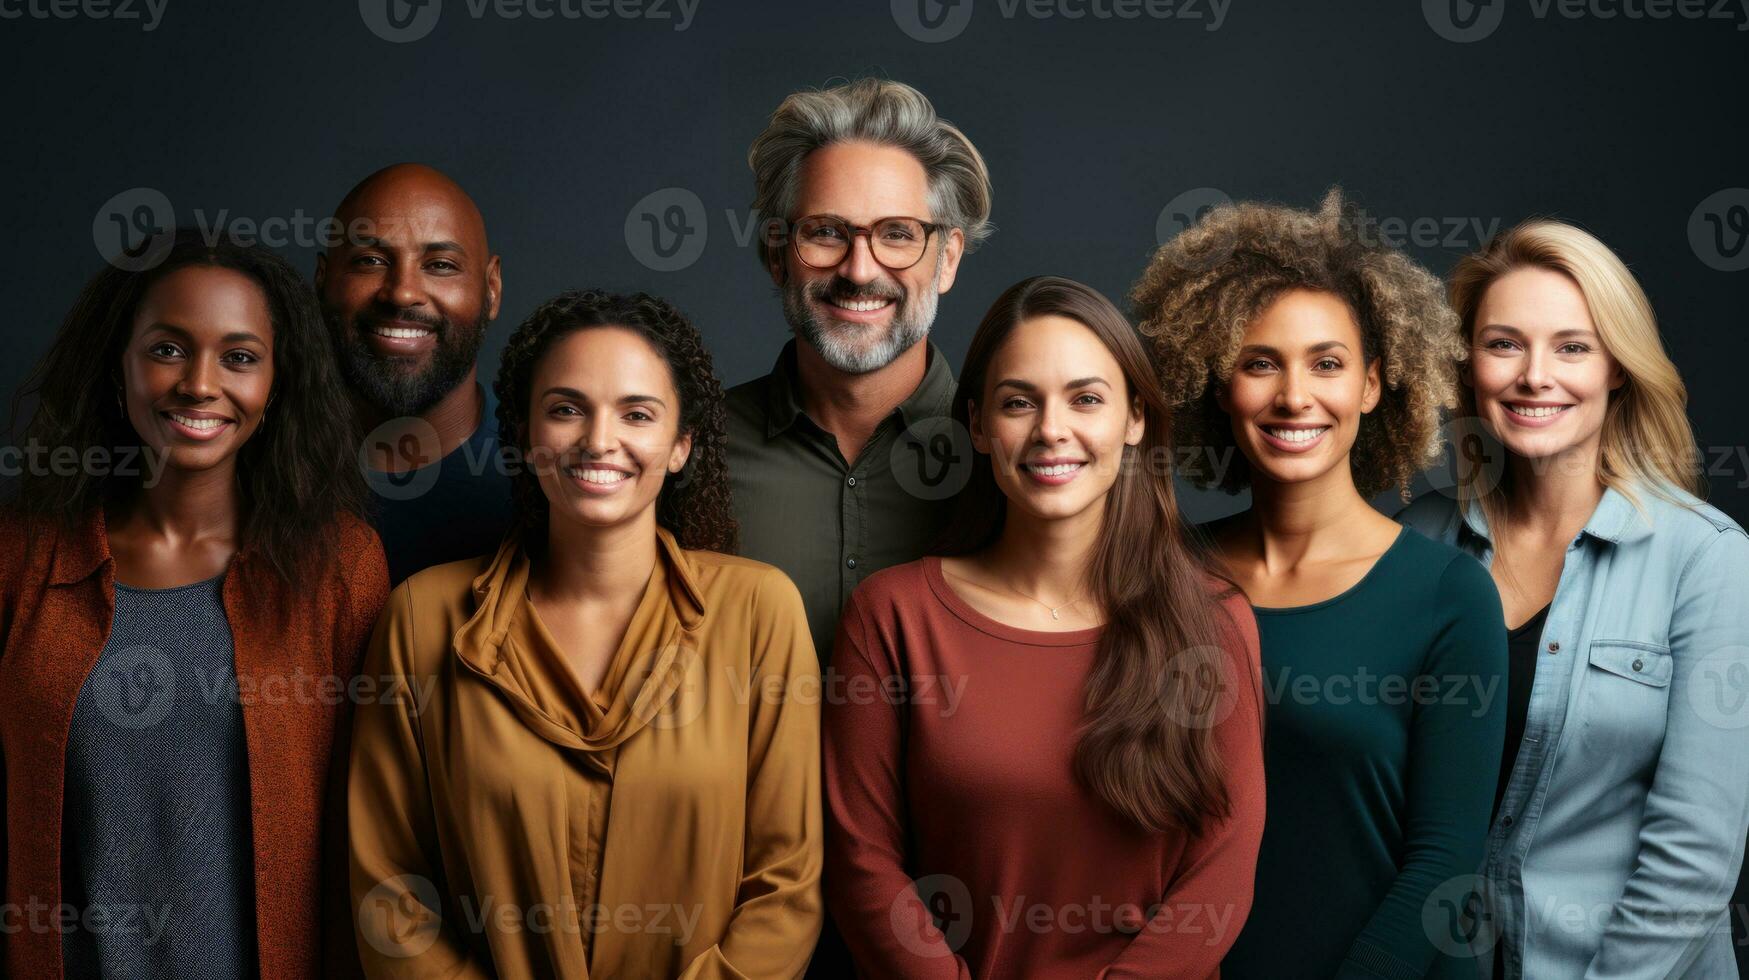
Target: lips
(1053, 472)
(1293, 438)
(197, 425)
(598, 479)
(398, 337)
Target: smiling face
(408, 300)
(1538, 368)
(1055, 416)
(197, 371)
(859, 314)
(604, 409)
(1299, 388)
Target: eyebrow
(1562, 333)
(1327, 345)
(1029, 386)
(446, 245)
(573, 393)
(234, 337)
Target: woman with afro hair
(607, 763)
(1307, 361)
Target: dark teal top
(1385, 711)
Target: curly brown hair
(1202, 288)
(693, 504)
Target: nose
(1052, 422)
(1292, 394)
(859, 265)
(401, 288)
(199, 380)
(1536, 375)
(598, 437)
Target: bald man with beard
(408, 295)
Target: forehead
(1532, 299)
(201, 296)
(604, 362)
(862, 181)
(1050, 350)
(410, 213)
(1301, 318)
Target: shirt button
(1639, 664)
(1554, 646)
(1506, 821)
(850, 562)
(851, 481)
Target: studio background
(611, 150)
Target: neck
(588, 562)
(453, 419)
(186, 505)
(850, 406)
(1048, 559)
(1554, 496)
(1295, 519)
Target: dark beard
(387, 385)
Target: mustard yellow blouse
(503, 822)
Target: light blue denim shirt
(1618, 842)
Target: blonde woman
(1624, 798)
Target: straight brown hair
(1146, 747)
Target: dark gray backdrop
(1451, 118)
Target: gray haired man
(841, 459)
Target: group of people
(855, 669)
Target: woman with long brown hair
(1045, 758)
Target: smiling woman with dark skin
(173, 609)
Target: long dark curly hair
(694, 503)
(295, 475)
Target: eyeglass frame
(853, 230)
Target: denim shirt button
(1506, 821)
(1639, 664)
(1554, 646)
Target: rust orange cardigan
(57, 602)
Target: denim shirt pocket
(1637, 660)
(1625, 701)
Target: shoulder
(735, 579)
(1684, 519)
(745, 402)
(1434, 514)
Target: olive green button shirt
(827, 522)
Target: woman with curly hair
(1622, 790)
(185, 580)
(610, 765)
(1308, 362)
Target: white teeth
(1059, 469)
(597, 475)
(399, 333)
(862, 305)
(1296, 435)
(201, 424)
(1537, 413)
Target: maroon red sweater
(951, 799)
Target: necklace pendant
(1054, 614)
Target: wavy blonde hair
(1206, 285)
(1647, 440)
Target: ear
(1618, 376)
(1224, 396)
(1138, 424)
(678, 455)
(952, 247)
(321, 276)
(494, 287)
(980, 441)
(1369, 400)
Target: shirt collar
(1615, 519)
(783, 406)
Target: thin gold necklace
(1062, 605)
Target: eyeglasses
(822, 240)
